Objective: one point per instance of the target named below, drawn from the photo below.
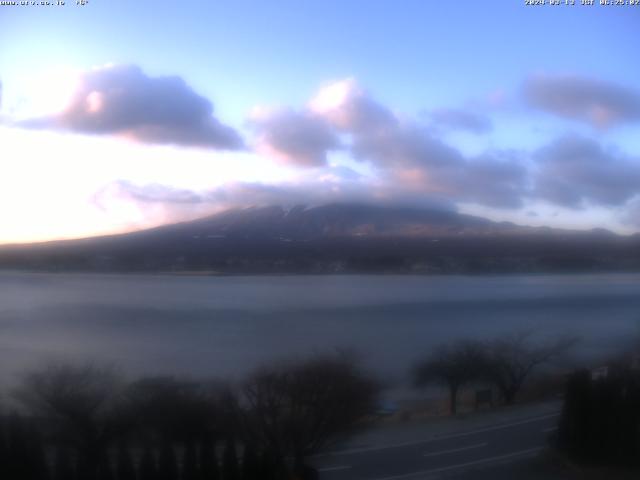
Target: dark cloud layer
(123, 100)
(596, 102)
(576, 171)
(247, 194)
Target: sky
(119, 115)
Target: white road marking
(499, 458)
(331, 469)
(435, 439)
(454, 450)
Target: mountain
(335, 238)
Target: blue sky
(478, 101)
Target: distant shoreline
(216, 273)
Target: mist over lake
(226, 326)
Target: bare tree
(453, 366)
(297, 409)
(166, 409)
(511, 359)
(77, 401)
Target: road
(474, 453)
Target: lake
(225, 326)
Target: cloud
(305, 137)
(351, 109)
(173, 202)
(402, 151)
(405, 145)
(239, 194)
(596, 102)
(377, 134)
(409, 154)
(495, 179)
(407, 162)
(159, 193)
(123, 100)
(293, 137)
(410, 159)
(632, 214)
(343, 108)
(459, 119)
(338, 173)
(575, 171)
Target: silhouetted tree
(168, 463)
(63, 465)
(305, 472)
(125, 468)
(600, 422)
(230, 468)
(25, 451)
(272, 466)
(105, 469)
(295, 410)
(76, 399)
(251, 468)
(453, 366)
(510, 360)
(173, 409)
(190, 467)
(38, 457)
(18, 450)
(209, 461)
(148, 466)
(4, 449)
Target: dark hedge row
(600, 422)
(25, 454)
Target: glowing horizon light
(47, 92)
(51, 200)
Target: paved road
(469, 454)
